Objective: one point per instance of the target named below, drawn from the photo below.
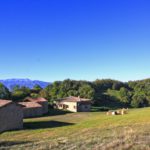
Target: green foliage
(4, 92)
(34, 95)
(103, 85)
(37, 88)
(97, 109)
(117, 85)
(124, 95)
(86, 91)
(104, 93)
(131, 94)
(139, 100)
(73, 92)
(19, 93)
(109, 93)
(68, 88)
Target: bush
(103, 108)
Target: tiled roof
(4, 102)
(40, 99)
(30, 104)
(74, 99)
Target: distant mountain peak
(10, 83)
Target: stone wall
(72, 106)
(11, 117)
(44, 106)
(84, 107)
(32, 112)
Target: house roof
(74, 99)
(4, 102)
(39, 99)
(30, 104)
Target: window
(65, 106)
(60, 105)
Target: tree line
(106, 92)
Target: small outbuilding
(74, 104)
(31, 109)
(11, 116)
(41, 101)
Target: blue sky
(79, 39)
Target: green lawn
(82, 131)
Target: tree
(4, 92)
(15, 88)
(54, 90)
(117, 85)
(139, 101)
(35, 92)
(37, 88)
(86, 91)
(73, 93)
(18, 94)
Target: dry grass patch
(83, 131)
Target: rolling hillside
(82, 131)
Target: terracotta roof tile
(40, 99)
(74, 99)
(4, 102)
(30, 104)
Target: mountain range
(10, 83)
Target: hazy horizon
(49, 81)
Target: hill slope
(83, 131)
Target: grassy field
(82, 131)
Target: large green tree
(86, 91)
(4, 92)
(19, 93)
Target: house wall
(75, 106)
(72, 106)
(11, 117)
(83, 107)
(45, 106)
(32, 112)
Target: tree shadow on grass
(45, 124)
(53, 112)
(4, 144)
